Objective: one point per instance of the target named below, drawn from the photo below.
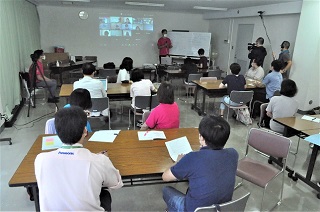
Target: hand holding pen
(104, 152)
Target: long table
(296, 125)
(212, 89)
(135, 159)
(116, 91)
(67, 67)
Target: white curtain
(19, 37)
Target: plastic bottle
(57, 63)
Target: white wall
(279, 27)
(62, 26)
(305, 69)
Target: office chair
(234, 205)
(98, 105)
(240, 97)
(216, 73)
(262, 173)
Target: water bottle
(57, 63)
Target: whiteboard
(188, 43)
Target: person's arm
(260, 74)
(285, 69)
(269, 109)
(112, 177)
(144, 127)
(222, 85)
(167, 174)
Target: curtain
(19, 37)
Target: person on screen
(138, 28)
(125, 69)
(72, 178)
(106, 33)
(164, 44)
(127, 21)
(211, 171)
(166, 115)
(203, 61)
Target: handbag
(244, 116)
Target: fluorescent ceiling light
(210, 8)
(144, 4)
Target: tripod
(5, 139)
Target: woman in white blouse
(256, 72)
(124, 72)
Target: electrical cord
(32, 121)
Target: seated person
(166, 115)
(284, 105)
(94, 86)
(81, 97)
(203, 62)
(140, 86)
(72, 178)
(189, 68)
(40, 79)
(211, 171)
(233, 82)
(256, 72)
(124, 72)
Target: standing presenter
(164, 44)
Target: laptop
(105, 84)
(166, 60)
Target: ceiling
(169, 5)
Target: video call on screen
(124, 26)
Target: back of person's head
(288, 88)
(165, 93)
(88, 69)
(201, 51)
(37, 54)
(277, 65)
(235, 68)
(137, 75)
(81, 97)
(164, 31)
(285, 44)
(188, 60)
(258, 62)
(215, 131)
(260, 40)
(70, 123)
(127, 63)
(109, 65)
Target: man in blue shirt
(273, 80)
(211, 171)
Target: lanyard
(71, 147)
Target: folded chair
(262, 173)
(234, 205)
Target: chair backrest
(99, 104)
(192, 77)
(263, 108)
(216, 73)
(241, 97)
(50, 127)
(208, 79)
(78, 58)
(93, 58)
(154, 101)
(277, 93)
(104, 73)
(142, 102)
(269, 143)
(235, 205)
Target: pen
(313, 119)
(146, 133)
(104, 151)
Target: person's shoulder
(231, 151)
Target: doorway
(244, 36)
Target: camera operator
(257, 51)
(285, 59)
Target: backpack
(244, 116)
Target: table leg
(203, 102)
(36, 197)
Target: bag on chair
(244, 116)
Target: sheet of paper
(310, 118)
(151, 135)
(104, 136)
(315, 139)
(178, 146)
(51, 142)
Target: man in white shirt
(71, 178)
(94, 86)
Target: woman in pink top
(166, 115)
